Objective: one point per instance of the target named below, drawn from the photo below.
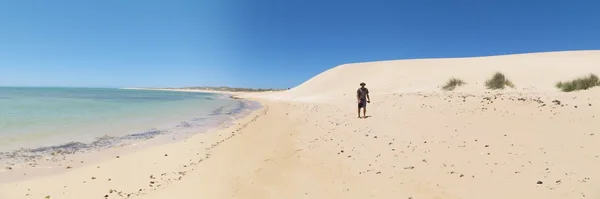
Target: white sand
(419, 142)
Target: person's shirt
(362, 93)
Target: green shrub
(498, 81)
(452, 84)
(582, 83)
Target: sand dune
(419, 142)
(529, 72)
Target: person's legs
(365, 112)
(360, 105)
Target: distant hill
(229, 89)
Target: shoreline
(55, 159)
(228, 93)
(108, 174)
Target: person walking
(362, 96)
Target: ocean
(40, 119)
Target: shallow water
(50, 117)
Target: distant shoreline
(216, 90)
(180, 90)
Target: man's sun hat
(362, 84)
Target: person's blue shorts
(362, 104)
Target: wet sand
(30, 163)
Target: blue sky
(266, 43)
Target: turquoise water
(39, 117)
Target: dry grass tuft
(582, 83)
(498, 81)
(452, 84)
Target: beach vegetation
(498, 81)
(452, 84)
(582, 83)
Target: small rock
(487, 145)
(556, 102)
(166, 155)
(540, 182)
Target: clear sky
(266, 43)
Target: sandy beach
(419, 142)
